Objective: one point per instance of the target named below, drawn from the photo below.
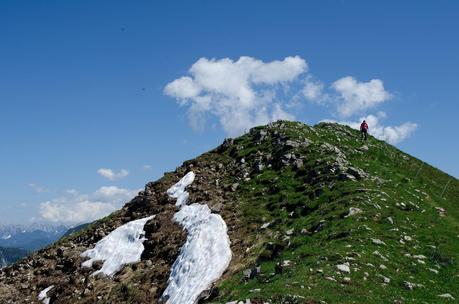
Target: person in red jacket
(364, 129)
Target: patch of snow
(178, 192)
(206, 253)
(122, 246)
(6, 237)
(43, 295)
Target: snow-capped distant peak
(122, 246)
(6, 237)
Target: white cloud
(247, 92)
(112, 192)
(356, 97)
(391, 134)
(147, 167)
(82, 208)
(37, 188)
(241, 94)
(112, 175)
(313, 90)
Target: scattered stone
(377, 242)
(265, 225)
(286, 263)
(407, 238)
(353, 211)
(363, 148)
(357, 173)
(248, 274)
(433, 270)
(385, 279)
(344, 267)
(377, 253)
(441, 211)
(447, 296)
(411, 286)
(298, 163)
(291, 143)
(217, 208)
(290, 231)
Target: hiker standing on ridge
(364, 129)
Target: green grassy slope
(401, 245)
(314, 214)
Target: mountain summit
(286, 213)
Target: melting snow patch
(43, 295)
(206, 253)
(122, 246)
(178, 190)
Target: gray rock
(217, 208)
(298, 164)
(447, 296)
(291, 143)
(363, 148)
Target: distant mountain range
(30, 238)
(11, 255)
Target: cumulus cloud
(391, 134)
(241, 94)
(112, 175)
(356, 97)
(75, 208)
(247, 92)
(314, 91)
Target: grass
(396, 189)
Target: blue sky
(82, 86)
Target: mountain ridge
(11, 255)
(313, 214)
(30, 237)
